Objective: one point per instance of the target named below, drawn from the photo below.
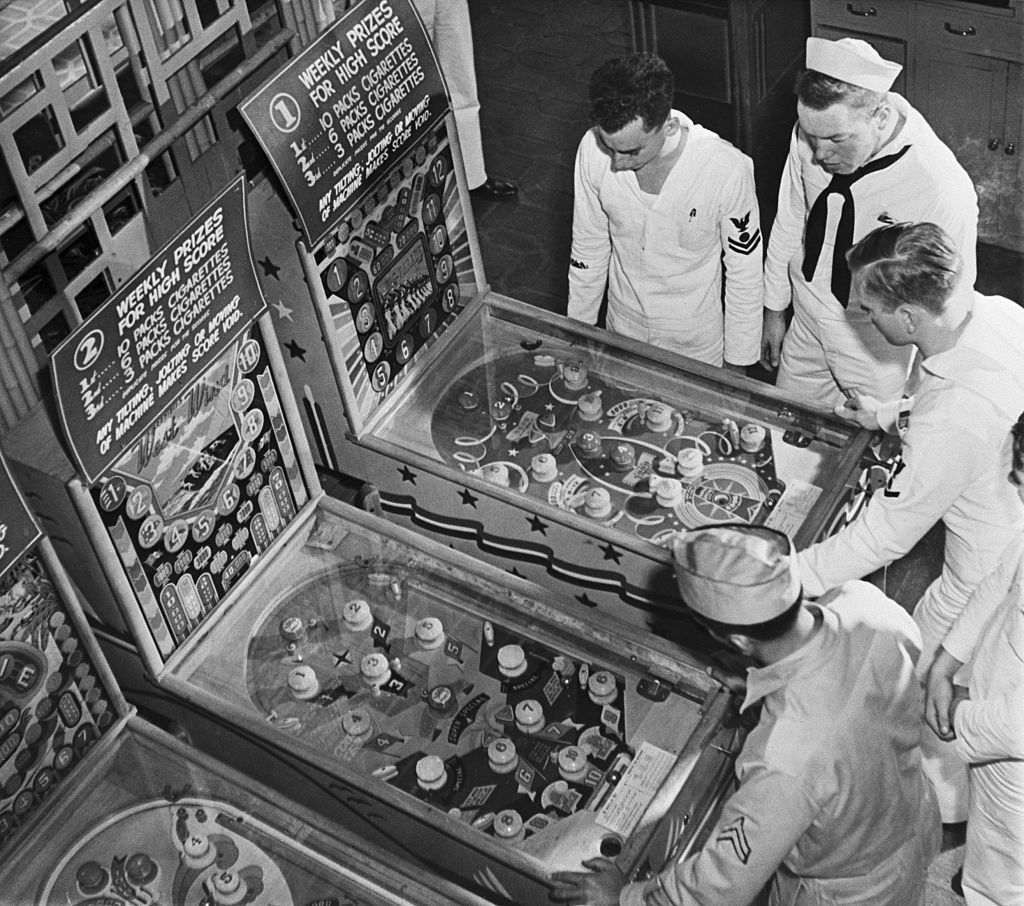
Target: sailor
(660, 203)
(860, 157)
(955, 416)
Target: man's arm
(958, 646)
(591, 242)
(742, 253)
(759, 825)
(786, 241)
(928, 482)
(787, 231)
(963, 635)
(991, 729)
(954, 207)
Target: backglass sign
(201, 495)
(116, 374)
(336, 117)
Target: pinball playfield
(546, 425)
(99, 808)
(456, 717)
(154, 823)
(573, 458)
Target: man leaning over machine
(832, 805)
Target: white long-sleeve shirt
(927, 184)
(830, 781)
(953, 466)
(988, 637)
(661, 255)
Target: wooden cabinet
(885, 26)
(964, 70)
(735, 63)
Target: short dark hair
(1017, 435)
(906, 263)
(767, 631)
(819, 92)
(639, 84)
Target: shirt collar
(763, 681)
(950, 364)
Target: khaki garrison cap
(737, 574)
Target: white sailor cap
(852, 60)
(737, 574)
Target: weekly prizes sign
(336, 118)
(157, 334)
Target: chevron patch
(486, 878)
(575, 262)
(736, 836)
(745, 242)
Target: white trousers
(448, 25)
(994, 855)
(830, 351)
(703, 342)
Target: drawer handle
(993, 144)
(961, 32)
(1010, 149)
(861, 10)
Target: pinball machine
(433, 705)
(557, 451)
(107, 809)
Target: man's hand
(940, 697)
(600, 886)
(773, 331)
(861, 409)
(730, 669)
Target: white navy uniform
(953, 469)
(988, 637)
(447, 23)
(830, 350)
(832, 804)
(661, 255)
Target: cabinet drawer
(875, 17)
(970, 31)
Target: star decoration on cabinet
(407, 475)
(295, 350)
(610, 553)
(468, 498)
(537, 525)
(269, 268)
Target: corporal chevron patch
(745, 243)
(575, 262)
(486, 878)
(735, 835)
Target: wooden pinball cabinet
(97, 806)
